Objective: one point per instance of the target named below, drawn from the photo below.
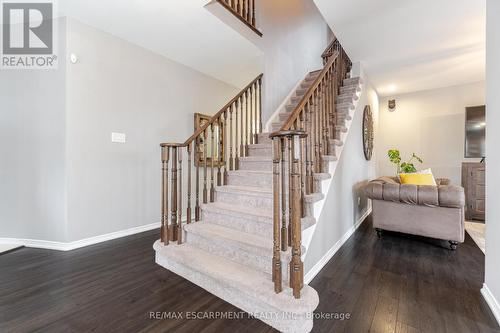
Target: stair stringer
(326, 184)
(284, 104)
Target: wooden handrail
(217, 147)
(214, 117)
(329, 49)
(299, 150)
(293, 116)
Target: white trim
(334, 249)
(68, 246)
(492, 302)
(284, 104)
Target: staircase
(234, 249)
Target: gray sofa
(430, 211)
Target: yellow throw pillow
(416, 179)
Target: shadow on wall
(359, 200)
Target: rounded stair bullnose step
(246, 288)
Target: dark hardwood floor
(396, 284)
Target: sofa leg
(453, 245)
(379, 232)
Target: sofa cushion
(417, 179)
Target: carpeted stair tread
(206, 229)
(232, 276)
(249, 190)
(228, 209)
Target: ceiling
(408, 46)
(181, 30)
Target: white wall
(493, 157)
(32, 151)
(341, 210)
(119, 87)
(295, 36)
(61, 177)
(431, 124)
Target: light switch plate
(118, 137)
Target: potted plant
(403, 167)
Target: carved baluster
(313, 134)
(197, 210)
(231, 138)
(205, 165)
(179, 211)
(331, 108)
(244, 150)
(242, 128)
(253, 102)
(289, 240)
(164, 195)
(238, 7)
(284, 237)
(253, 13)
(252, 139)
(249, 135)
(188, 211)
(309, 166)
(237, 158)
(277, 273)
(220, 157)
(212, 153)
(317, 157)
(320, 126)
(260, 105)
(244, 9)
(224, 149)
(324, 125)
(173, 197)
(302, 163)
(296, 265)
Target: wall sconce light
(392, 105)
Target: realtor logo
(28, 35)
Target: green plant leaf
(417, 158)
(394, 156)
(408, 167)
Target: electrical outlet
(118, 137)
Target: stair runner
(229, 252)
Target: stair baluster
(188, 210)
(236, 138)
(246, 124)
(179, 200)
(164, 195)
(212, 165)
(231, 138)
(173, 197)
(205, 165)
(219, 152)
(216, 157)
(260, 104)
(277, 270)
(197, 208)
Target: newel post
(292, 190)
(164, 195)
(296, 264)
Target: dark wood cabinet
(473, 181)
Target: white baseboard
(68, 246)
(492, 302)
(309, 276)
